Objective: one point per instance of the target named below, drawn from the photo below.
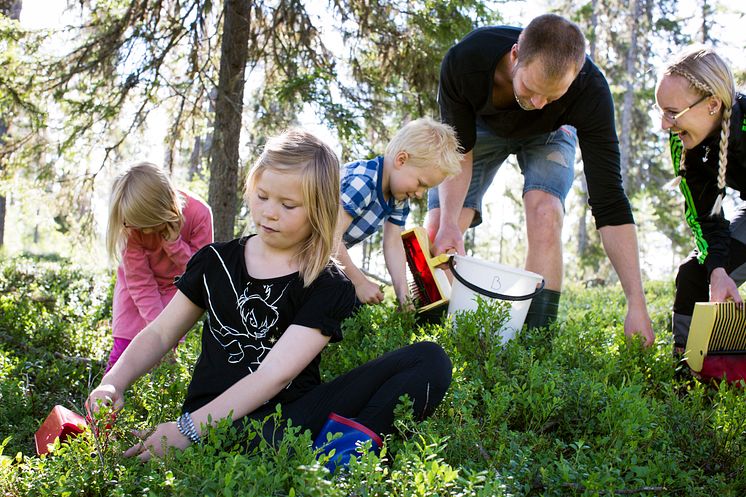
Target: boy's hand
(368, 292)
(407, 305)
(404, 299)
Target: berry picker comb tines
(428, 284)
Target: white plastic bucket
(474, 277)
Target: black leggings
(369, 393)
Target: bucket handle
(487, 293)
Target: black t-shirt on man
(464, 96)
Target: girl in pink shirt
(153, 231)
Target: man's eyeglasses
(670, 117)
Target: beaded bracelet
(194, 435)
(186, 427)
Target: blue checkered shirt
(362, 198)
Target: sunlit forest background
(88, 87)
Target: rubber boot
(543, 309)
(345, 447)
(680, 324)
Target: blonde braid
(701, 87)
(723, 160)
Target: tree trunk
(2, 220)
(12, 9)
(202, 144)
(3, 202)
(704, 31)
(583, 219)
(223, 187)
(625, 140)
(195, 158)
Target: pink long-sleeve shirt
(145, 278)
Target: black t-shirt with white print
(246, 316)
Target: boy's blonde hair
(142, 197)
(299, 152)
(709, 75)
(428, 143)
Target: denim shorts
(547, 163)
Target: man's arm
(592, 114)
(620, 244)
(452, 193)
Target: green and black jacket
(699, 186)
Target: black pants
(693, 280)
(369, 393)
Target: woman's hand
(723, 288)
(156, 442)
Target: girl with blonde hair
(274, 299)
(153, 230)
(699, 106)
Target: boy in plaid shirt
(376, 192)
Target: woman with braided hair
(699, 106)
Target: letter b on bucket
(474, 277)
